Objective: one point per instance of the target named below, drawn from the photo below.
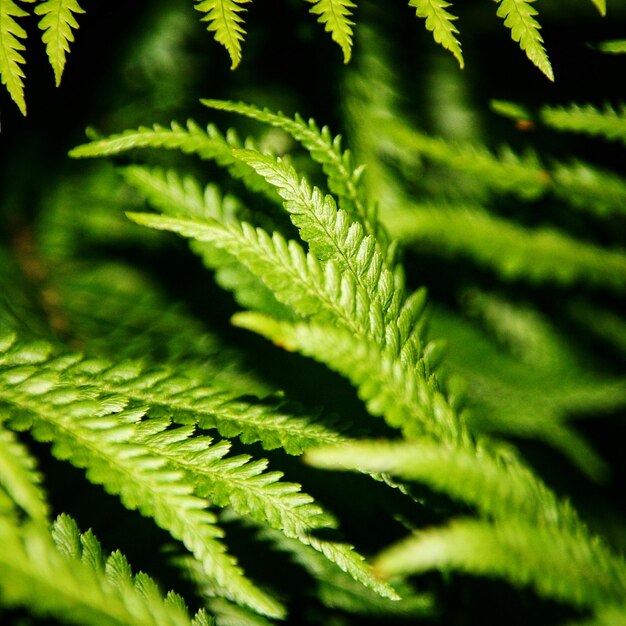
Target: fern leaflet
(441, 23)
(19, 478)
(224, 18)
(11, 47)
(335, 15)
(519, 15)
(57, 22)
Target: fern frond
(297, 279)
(331, 234)
(335, 15)
(519, 15)
(100, 435)
(590, 188)
(11, 48)
(57, 22)
(344, 179)
(337, 590)
(400, 392)
(554, 562)
(613, 46)
(250, 491)
(609, 123)
(19, 478)
(74, 583)
(495, 482)
(173, 195)
(515, 252)
(522, 175)
(207, 144)
(441, 23)
(189, 401)
(501, 390)
(224, 18)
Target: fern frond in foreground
(533, 539)
(66, 575)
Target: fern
(57, 22)
(124, 467)
(11, 48)
(462, 230)
(614, 46)
(224, 18)
(519, 15)
(609, 123)
(556, 563)
(19, 478)
(75, 582)
(344, 180)
(441, 23)
(335, 15)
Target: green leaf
(19, 478)
(335, 15)
(556, 563)
(224, 18)
(61, 581)
(613, 46)
(57, 22)
(519, 15)
(441, 23)
(11, 59)
(609, 123)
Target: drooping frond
(11, 48)
(70, 579)
(609, 123)
(401, 394)
(57, 22)
(344, 179)
(19, 478)
(555, 562)
(540, 255)
(335, 15)
(224, 18)
(100, 435)
(441, 23)
(519, 15)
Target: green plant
(113, 352)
